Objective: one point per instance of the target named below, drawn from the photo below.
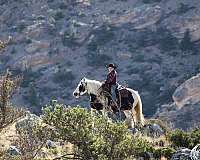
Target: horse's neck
(93, 86)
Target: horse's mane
(93, 81)
(93, 85)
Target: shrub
(183, 8)
(167, 40)
(186, 43)
(98, 60)
(29, 76)
(7, 87)
(32, 136)
(102, 36)
(64, 77)
(63, 5)
(166, 152)
(32, 97)
(4, 58)
(180, 138)
(21, 26)
(69, 39)
(11, 114)
(93, 136)
(59, 15)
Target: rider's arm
(110, 78)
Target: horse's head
(81, 89)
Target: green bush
(32, 137)
(186, 44)
(29, 76)
(167, 40)
(59, 15)
(166, 152)
(183, 8)
(102, 36)
(95, 59)
(32, 96)
(180, 138)
(64, 77)
(93, 136)
(69, 39)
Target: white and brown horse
(91, 87)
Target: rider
(111, 80)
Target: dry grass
(7, 136)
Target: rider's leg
(113, 88)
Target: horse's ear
(84, 79)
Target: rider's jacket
(111, 78)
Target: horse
(92, 88)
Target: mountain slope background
(55, 43)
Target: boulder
(195, 153)
(13, 151)
(188, 93)
(29, 121)
(153, 130)
(50, 144)
(182, 154)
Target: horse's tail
(138, 110)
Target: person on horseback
(111, 80)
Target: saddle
(122, 91)
(124, 97)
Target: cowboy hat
(111, 65)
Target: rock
(37, 61)
(189, 114)
(153, 130)
(185, 107)
(182, 154)
(84, 2)
(188, 93)
(29, 121)
(133, 130)
(50, 144)
(13, 150)
(147, 155)
(36, 46)
(195, 152)
(124, 55)
(142, 17)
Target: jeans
(113, 88)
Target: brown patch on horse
(125, 99)
(94, 103)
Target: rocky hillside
(57, 42)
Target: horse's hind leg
(130, 118)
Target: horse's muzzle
(76, 94)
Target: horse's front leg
(106, 110)
(92, 112)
